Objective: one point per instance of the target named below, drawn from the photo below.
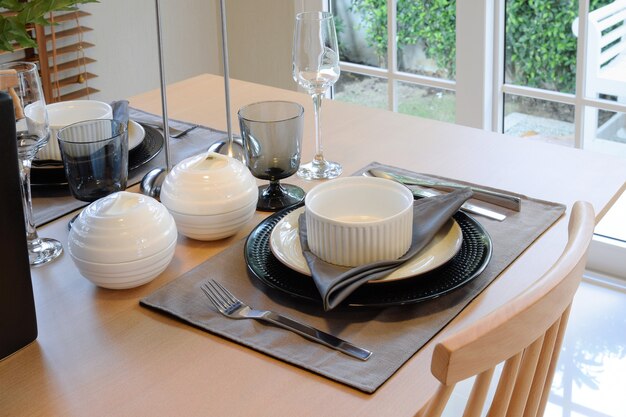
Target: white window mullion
(497, 113)
(581, 78)
(399, 76)
(474, 74)
(578, 100)
(539, 93)
(392, 55)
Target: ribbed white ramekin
(358, 220)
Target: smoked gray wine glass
(21, 81)
(272, 139)
(316, 69)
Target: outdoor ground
(529, 120)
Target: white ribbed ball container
(122, 240)
(211, 196)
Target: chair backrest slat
(504, 391)
(476, 400)
(524, 379)
(555, 356)
(541, 373)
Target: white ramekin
(65, 113)
(358, 220)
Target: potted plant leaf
(17, 18)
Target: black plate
(50, 173)
(466, 265)
(147, 149)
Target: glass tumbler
(95, 157)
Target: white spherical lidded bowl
(358, 220)
(211, 196)
(122, 240)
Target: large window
(513, 66)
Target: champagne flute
(21, 81)
(316, 68)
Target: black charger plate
(466, 265)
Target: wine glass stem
(317, 106)
(274, 189)
(31, 231)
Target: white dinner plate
(136, 134)
(285, 245)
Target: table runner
(394, 334)
(50, 203)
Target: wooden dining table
(98, 352)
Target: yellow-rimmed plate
(285, 245)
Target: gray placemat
(394, 334)
(50, 203)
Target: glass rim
(83, 122)
(297, 106)
(28, 67)
(314, 15)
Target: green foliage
(540, 47)
(434, 23)
(429, 21)
(374, 16)
(13, 27)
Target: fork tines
(219, 296)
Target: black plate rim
(486, 258)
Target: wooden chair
(526, 334)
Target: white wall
(260, 34)
(260, 37)
(259, 41)
(126, 50)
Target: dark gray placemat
(50, 203)
(394, 334)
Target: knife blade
(467, 207)
(494, 197)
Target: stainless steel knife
(494, 197)
(467, 207)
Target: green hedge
(540, 46)
(432, 21)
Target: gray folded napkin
(335, 283)
(120, 111)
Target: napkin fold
(120, 111)
(335, 283)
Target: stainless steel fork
(230, 306)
